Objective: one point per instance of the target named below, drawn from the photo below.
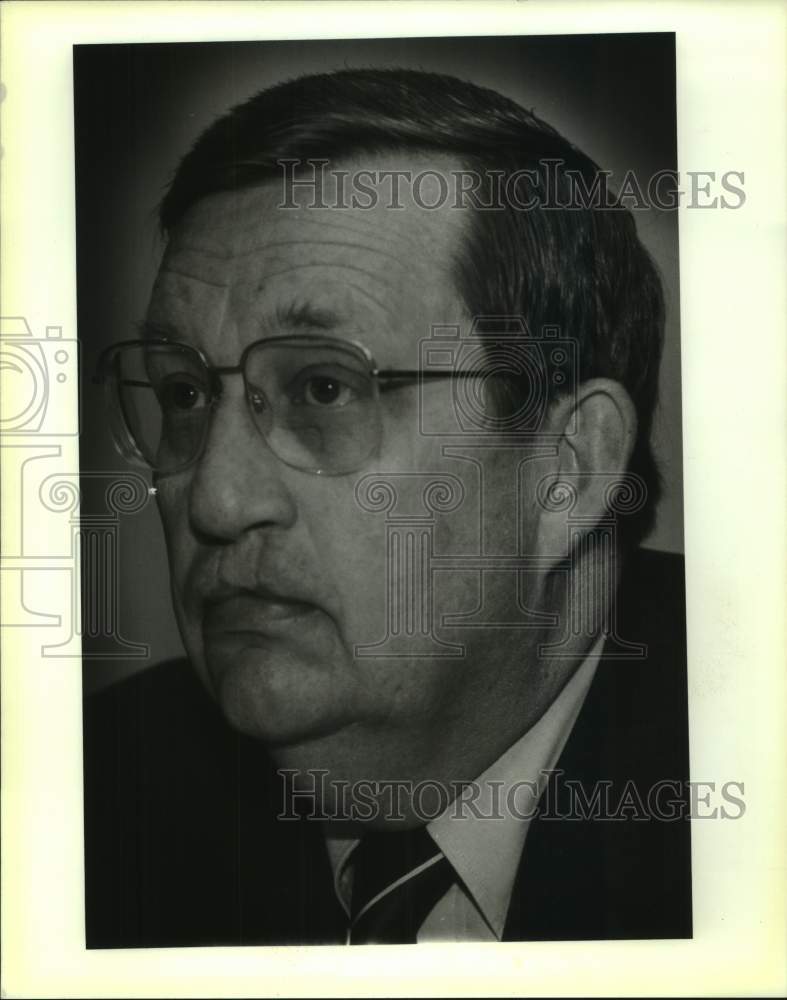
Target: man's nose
(237, 484)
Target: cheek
(353, 564)
(173, 511)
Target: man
(398, 365)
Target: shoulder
(182, 845)
(143, 769)
(609, 854)
(157, 705)
(640, 695)
(652, 597)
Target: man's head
(582, 271)
(280, 574)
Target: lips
(252, 614)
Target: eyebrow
(293, 316)
(153, 331)
(307, 316)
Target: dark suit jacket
(183, 847)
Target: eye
(181, 394)
(325, 390)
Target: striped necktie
(397, 879)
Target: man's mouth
(250, 615)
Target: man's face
(278, 573)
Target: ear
(595, 429)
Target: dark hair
(582, 270)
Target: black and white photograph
(392, 436)
(404, 392)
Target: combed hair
(582, 270)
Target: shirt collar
(479, 833)
(340, 847)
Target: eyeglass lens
(314, 402)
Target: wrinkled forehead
(249, 262)
(407, 206)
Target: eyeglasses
(314, 400)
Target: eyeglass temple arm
(414, 375)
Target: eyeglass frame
(103, 376)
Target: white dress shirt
(482, 833)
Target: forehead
(241, 266)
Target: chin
(276, 703)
